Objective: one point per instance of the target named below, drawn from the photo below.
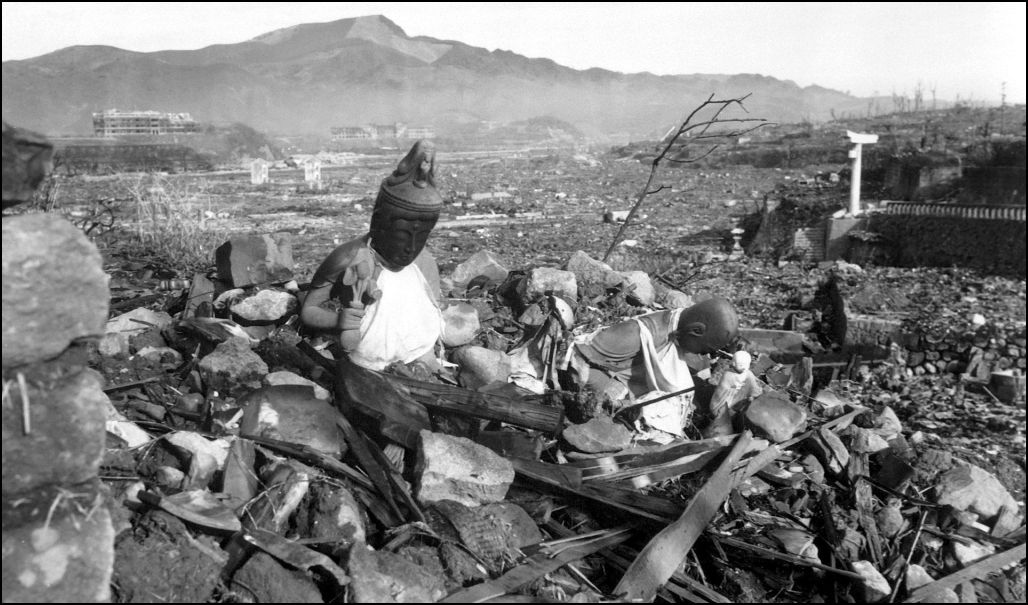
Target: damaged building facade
(113, 123)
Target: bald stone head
(707, 327)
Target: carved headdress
(409, 192)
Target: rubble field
(232, 475)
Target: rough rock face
(232, 368)
(58, 539)
(455, 468)
(255, 260)
(55, 289)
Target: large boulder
(55, 290)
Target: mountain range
(309, 78)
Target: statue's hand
(350, 327)
(360, 275)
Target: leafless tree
(692, 130)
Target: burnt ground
(555, 206)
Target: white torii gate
(859, 139)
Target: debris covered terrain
(244, 464)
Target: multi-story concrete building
(375, 132)
(112, 123)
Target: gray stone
(455, 468)
(265, 306)
(971, 488)
(671, 298)
(589, 271)
(966, 554)
(772, 414)
(460, 324)
(598, 435)
(285, 377)
(232, 368)
(334, 513)
(542, 280)
(888, 425)
(890, 519)
(917, 577)
(126, 330)
(255, 260)
(161, 355)
(830, 450)
(643, 290)
(267, 581)
(27, 158)
(480, 366)
(866, 441)
(385, 577)
(66, 438)
(875, 587)
(292, 413)
(67, 557)
(480, 263)
(206, 457)
(55, 289)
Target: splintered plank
(665, 552)
(526, 413)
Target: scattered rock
(385, 577)
(285, 377)
(641, 287)
(969, 487)
(205, 457)
(480, 366)
(255, 260)
(545, 280)
(266, 306)
(455, 468)
(774, 415)
(265, 580)
(598, 435)
(460, 324)
(232, 369)
(292, 413)
(875, 587)
(588, 270)
(126, 331)
(480, 263)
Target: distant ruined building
(113, 123)
(380, 132)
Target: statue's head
(406, 208)
(708, 327)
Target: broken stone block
(58, 555)
(813, 469)
(598, 435)
(671, 298)
(966, 554)
(866, 441)
(55, 290)
(893, 471)
(255, 260)
(641, 287)
(830, 450)
(888, 425)
(772, 414)
(460, 324)
(480, 263)
(285, 377)
(890, 519)
(292, 413)
(971, 488)
(66, 438)
(206, 457)
(874, 586)
(543, 280)
(166, 355)
(480, 366)
(455, 468)
(334, 513)
(268, 581)
(917, 577)
(232, 368)
(266, 306)
(385, 577)
(588, 270)
(126, 332)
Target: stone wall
(991, 245)
(58, 539)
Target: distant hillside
(308, 78)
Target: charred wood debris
(340, 484)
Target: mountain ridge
(310, 77)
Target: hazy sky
(960, 48)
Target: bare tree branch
(671, 142)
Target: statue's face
(402, 241)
